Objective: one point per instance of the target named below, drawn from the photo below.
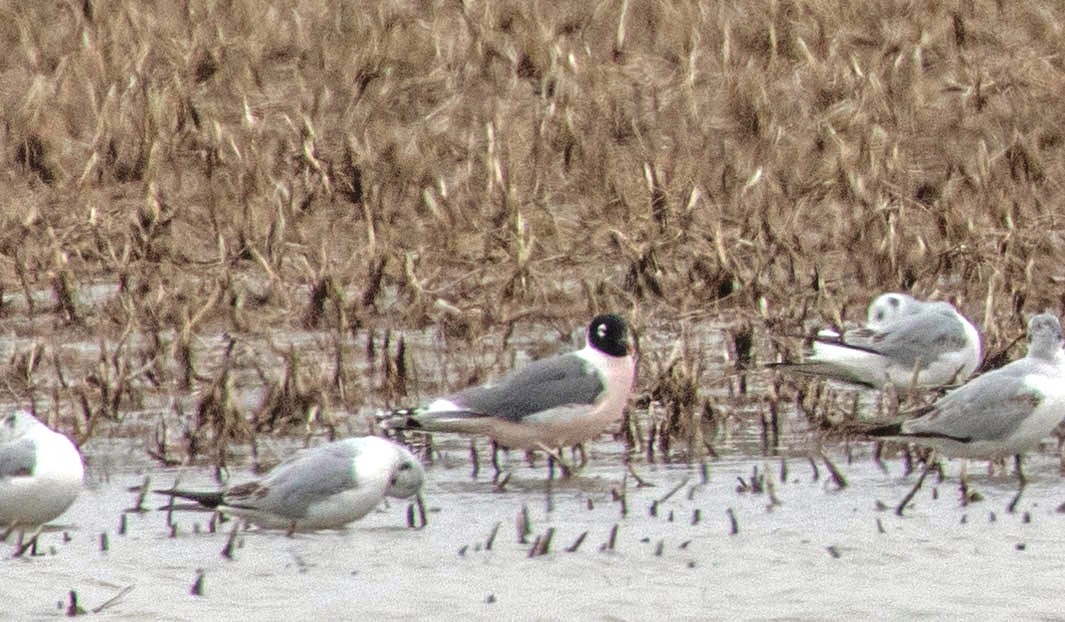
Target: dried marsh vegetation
(249, 169)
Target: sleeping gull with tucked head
(325, 487)
(905, 342)
(41, 472)
(554, 402)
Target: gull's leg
(963, 482)
(475, 459)
(497, 472)
(554, 457)
(29, 544)
(579, 448)
(1018, 464)
(1022, 481)
(968, 493)
(420, 501)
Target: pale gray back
(987, 408)
(310, 476)
(914, 337)
(18, 458)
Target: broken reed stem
(492, 537)
(114, 599)
(577, 543)
(837, 475)
(523, 526)
(673, 491)
(611, 540)
(1012, 507)
(230, 547)
(542, 545)
(197, 584)
(913, 491)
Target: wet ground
(749, 533)
(801, 548)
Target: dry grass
(254, 168)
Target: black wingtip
(895, 429)
(821, 369)
(206, 499)
(401, 419)
(888, 429)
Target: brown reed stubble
(244, 167)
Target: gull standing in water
(905, 343)
(1004, 412)
(325, 487)
(550, 403)
(41, 472)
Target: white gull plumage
(41, 472)
(1004, 412)
(324, 487)
(905, 342)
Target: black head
(609, 334)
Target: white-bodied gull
(905, 342)
(1004, 412)
(325, 487)
(41, 472)
(554, 402)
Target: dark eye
(406, 466)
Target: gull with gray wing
(325, 487)
(905, 342)
(554, 402)
(41, 472)
(1001, 413)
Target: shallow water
(818, 553)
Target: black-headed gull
(325, 487)
(554, 402)
(41, 472)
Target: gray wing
(292, 486)
(987, 408)
(17, 458)
(541, 385)
(922, 336)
